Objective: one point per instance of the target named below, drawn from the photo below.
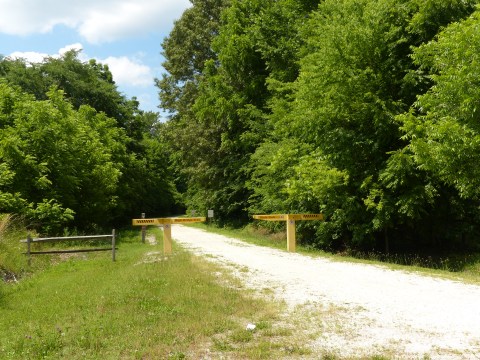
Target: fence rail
(31, 241)
(51, 239)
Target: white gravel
(377, 311)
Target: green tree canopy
(110, 164)
(443, 127)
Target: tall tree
(443, 125)
(91, 84)
(227, 120)
(355, 77)
(58, 158)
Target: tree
(83, 83)
(91, 84)
(58, 161)
(442, 127)
(225, 121)
(355, 77)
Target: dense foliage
(366, 110)
(74, 151)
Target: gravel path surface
(362, 309)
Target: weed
(241, 336)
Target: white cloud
(37, 57)
(76, 46)
(29, 56)
(129, 72)
(126, 71)
(97, 21)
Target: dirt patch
(8, 276)
(151, 239)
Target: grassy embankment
(143, 306)
(462, 267)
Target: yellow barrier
(167, 228)
(290, 219)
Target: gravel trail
(364, 309)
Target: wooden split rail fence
(31, 241)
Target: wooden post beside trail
(290, 219)
(144, 230)
(167, 227)
(113, 245)
(29, 241)
(167, 238)
(291, 238)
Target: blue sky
(125, 34)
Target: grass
(461, 267)
(147, 305)
(88, 307)
(13, 264)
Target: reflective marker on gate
(188, 220)
(278, 217)
(305, 216)
(145, 222)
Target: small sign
(187, 220)
(210, 213)
(274, 217)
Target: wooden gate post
(29, 240)
(167, 227)
(144, 230)
(290, 219)
(167, 239)
(113, 245)
(291, 238)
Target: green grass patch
(12, 261)
(143, 306)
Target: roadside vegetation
(143, 306)
(363, 110)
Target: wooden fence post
(113, 245)
(29, 239)
(144, 230)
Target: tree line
(364, 110)
(74, 152)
